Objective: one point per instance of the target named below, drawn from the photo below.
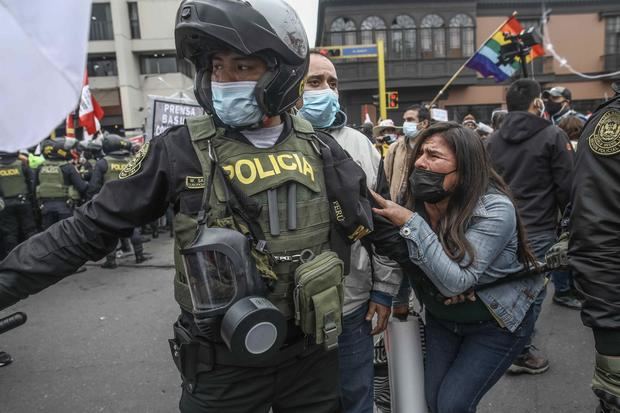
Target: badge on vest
(135, 163)
(194, 182)
(605, 140)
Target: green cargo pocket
(318, 298)
(328, 317)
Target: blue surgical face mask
(235, 104)
(320, 107)
(410, 129)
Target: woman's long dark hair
(475, 176)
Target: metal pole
(522, 56)
(458, 72)
(381, 77)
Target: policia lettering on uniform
(247, 170)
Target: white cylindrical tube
(405, 365)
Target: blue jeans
(562, 281)
(540, 244)
(464, 360)
(355, 348)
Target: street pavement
(97, 342)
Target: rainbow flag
(486, 60)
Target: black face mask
(553, 107)
(427, 185)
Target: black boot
(110, 263)
(141, 257)
(5, 358)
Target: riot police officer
(108, 168)
(59, 185)
(594, 244)
(17, 217)
(90, 153)
(253, 220)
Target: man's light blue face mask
(410, 129)
(235, 104)
(320, 107)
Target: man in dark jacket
(535, 159)
(594, 244)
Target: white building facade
(131, 55)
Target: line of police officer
(37, 195)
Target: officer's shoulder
(602, 132)
(172, 139)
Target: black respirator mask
(554, 107)
(228, 291)
(427, 185)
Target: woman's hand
(395, 213)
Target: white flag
(44, 46)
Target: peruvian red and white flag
(90, 111)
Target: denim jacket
(492, 232)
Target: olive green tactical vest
(51, 181)
(12, 180)
(254, 171)
(115, 166)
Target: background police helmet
(59, 148)
(114, 144)
(269, 29)
(4, 154)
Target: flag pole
(458, 72)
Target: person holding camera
(463, 232)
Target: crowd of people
(460, 215)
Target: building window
(461, 36)
(612, 35)
(134, 19)
(403, 37)
(158, 63)
(433, 37)
(101, 65)
(343, 32)
(101, 22)
(373, 28)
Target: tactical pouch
(319, 297)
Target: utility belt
(16, 200)
(195, 355)
(68, 201)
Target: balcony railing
(412, 43)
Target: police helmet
(268, 29)
(93, 145)
(115, 144)
(59, 148)
(4, 154)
